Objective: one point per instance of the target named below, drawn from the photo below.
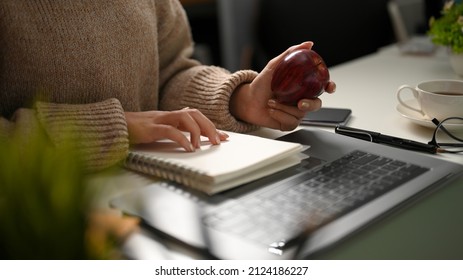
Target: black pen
(385, 139)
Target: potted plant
(447, 30)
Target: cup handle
(415, 95)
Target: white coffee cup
(436, 98)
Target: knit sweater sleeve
(99, 128)
(209, 89)
(185, 83)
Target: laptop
(340, 187)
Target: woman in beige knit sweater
(119, 73)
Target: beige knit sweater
(91, 60)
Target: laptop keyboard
(284, 210)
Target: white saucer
(420, 119)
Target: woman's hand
(254, 103)
(151, 126)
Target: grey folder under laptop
(343, 185)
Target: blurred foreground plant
(43, 202)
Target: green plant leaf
(447, 30)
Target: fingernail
(192, 148)
(217, 139)
(271, 103)
(223, 134)
(305, 105)
(307, 42)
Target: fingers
(308, 105)
(285, 121)
(305, 45)
(288, 117)
(198, 124)
(303, 106)
(287, 109)
(330, 87)
(151, 126)
(172, 133)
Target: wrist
(238, 101)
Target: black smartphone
(327, 117)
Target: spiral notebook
(215, 168)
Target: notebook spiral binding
(166, 169)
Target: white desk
(368, 85)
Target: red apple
(301, 74)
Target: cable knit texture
(87, 61)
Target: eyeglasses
(448, 135)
